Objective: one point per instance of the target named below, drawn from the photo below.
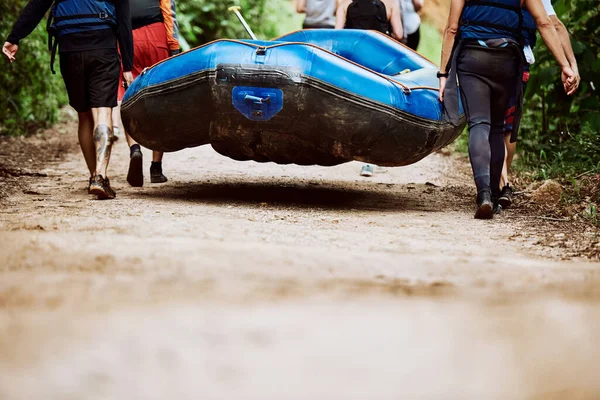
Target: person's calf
(156, 174)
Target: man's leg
(103, 138)
(86, 140)
(156, 174)
(506, 195)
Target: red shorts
(149, 47)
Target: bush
(31, 96)
(559, 134)
(204, 20)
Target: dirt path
(245, 280)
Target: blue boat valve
(257, 100)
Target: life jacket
(492, 19)
(145, 12)
(529, 29)
(367, 14)
(73, 16)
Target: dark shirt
(35, 10)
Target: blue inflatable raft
(311, 97)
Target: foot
(367, 170)
(156, 174)
(90, 185)
(506, 197)
(135, 174)
(485, 206)
(100, 187)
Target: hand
(577, 77)
(569, 80)
(127, 79)
(10, 50)
(174, 52)
(442, 87)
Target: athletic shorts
(509, 117)
(91, 78)
(149, 47)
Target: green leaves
(30, 95)
(560, 133)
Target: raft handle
(257, 100)
(261, 51)
(406, 90)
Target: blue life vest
(491, 19)
(529, 29)
(72, 16)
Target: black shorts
(91, 78)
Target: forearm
(552, 40)
(447, 45)
(565, 41)
(31, 16)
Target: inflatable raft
(321, 97)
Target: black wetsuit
(487, 79)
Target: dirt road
(244, 280)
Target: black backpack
(367, 14)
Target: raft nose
(257, 103)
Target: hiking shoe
(90, 186)
(497, 209)
(485, 206)
(100, 187)
(135, 174)
(367, 170)
(156, 176)
(506, 197)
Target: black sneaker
(100, 187)
(156, 174)
(135, 174)
(485, 206)
(506, 197)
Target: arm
(396, 22)
(30, 17)
(169, 21)
(125, 38)
(300, 6)
(456, 8)
(340, 15)
(546, 29)
(565, 42)
(417, 4)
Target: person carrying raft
(529, 34)
(320, 14)
(155, 38)
(378, 15)
(86, 34)
(482, 49)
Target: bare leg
(511, 149)
(116, 122)
(103, 137)
(157, 156)
(86, 140)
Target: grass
(430, 45)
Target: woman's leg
(475, 94)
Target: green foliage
(30, 95)
(559, 133)
(430, 45)
(204, 20)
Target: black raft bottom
(318, 124)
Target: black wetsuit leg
(487, 79)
